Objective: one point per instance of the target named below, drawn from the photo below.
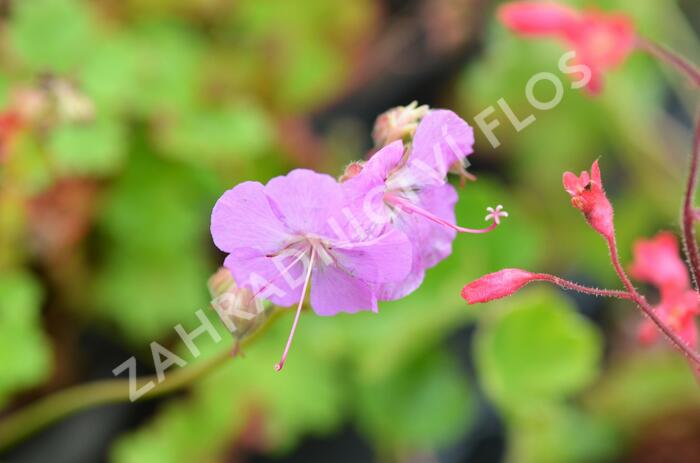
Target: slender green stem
(52, 408)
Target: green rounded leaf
(538, 350)
(424, 406)
(24, 350)
(51, 34)
(95, 148)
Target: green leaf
(562, 434)
(228, 135)
(642, 387)
(245, 394)
(538, 350)
(95, 148)
(424, 406)
(155, 228)
(51, 35)
(110, 75)
(25, 353)
(169, 61)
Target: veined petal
(243, 218)
(274, 279)
(383, 259)
(306, 200)
(442, 139)
(333, 291)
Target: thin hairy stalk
(671, 58)
(47, 410)
(641, 301)
(566, 284)
(690, 213)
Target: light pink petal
(243, 218)
(334, 291)
(306, 200)
(431, 242)
(365, 192)
(385, 160)
(384, 259)
(441, 140)
(401, 289)
(266, 277)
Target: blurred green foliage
(160, 106)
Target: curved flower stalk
(349, 244)
(602, 41)
(656, 261)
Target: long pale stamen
(279, 366)
(409, 207)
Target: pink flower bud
(238, 308)
(588, 196)
(398, 123)
(497, 285)
(352, 170)
(220, 282)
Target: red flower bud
(497, 285)
(588, 196)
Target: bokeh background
(140, 113)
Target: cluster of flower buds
(399, 123)
(349, 244)
(53, 100)
(602, 41)
(656, 261)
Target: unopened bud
(398, 123)
(238, 308)
(352, 170)
(497, 285)
(220, 282)
(588, 196)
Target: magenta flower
(657, 261)
(601, 41)
(283, 236)
(408, 191)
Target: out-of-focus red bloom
(657, 261)
(588, 196)
(496, 285)
(10, 124)
(602, 41)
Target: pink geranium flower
(602, 41)
(408, 190)
(281, 242)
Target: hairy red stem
(689, 213)
(669, 57)
(641, 301)
(566, 284)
